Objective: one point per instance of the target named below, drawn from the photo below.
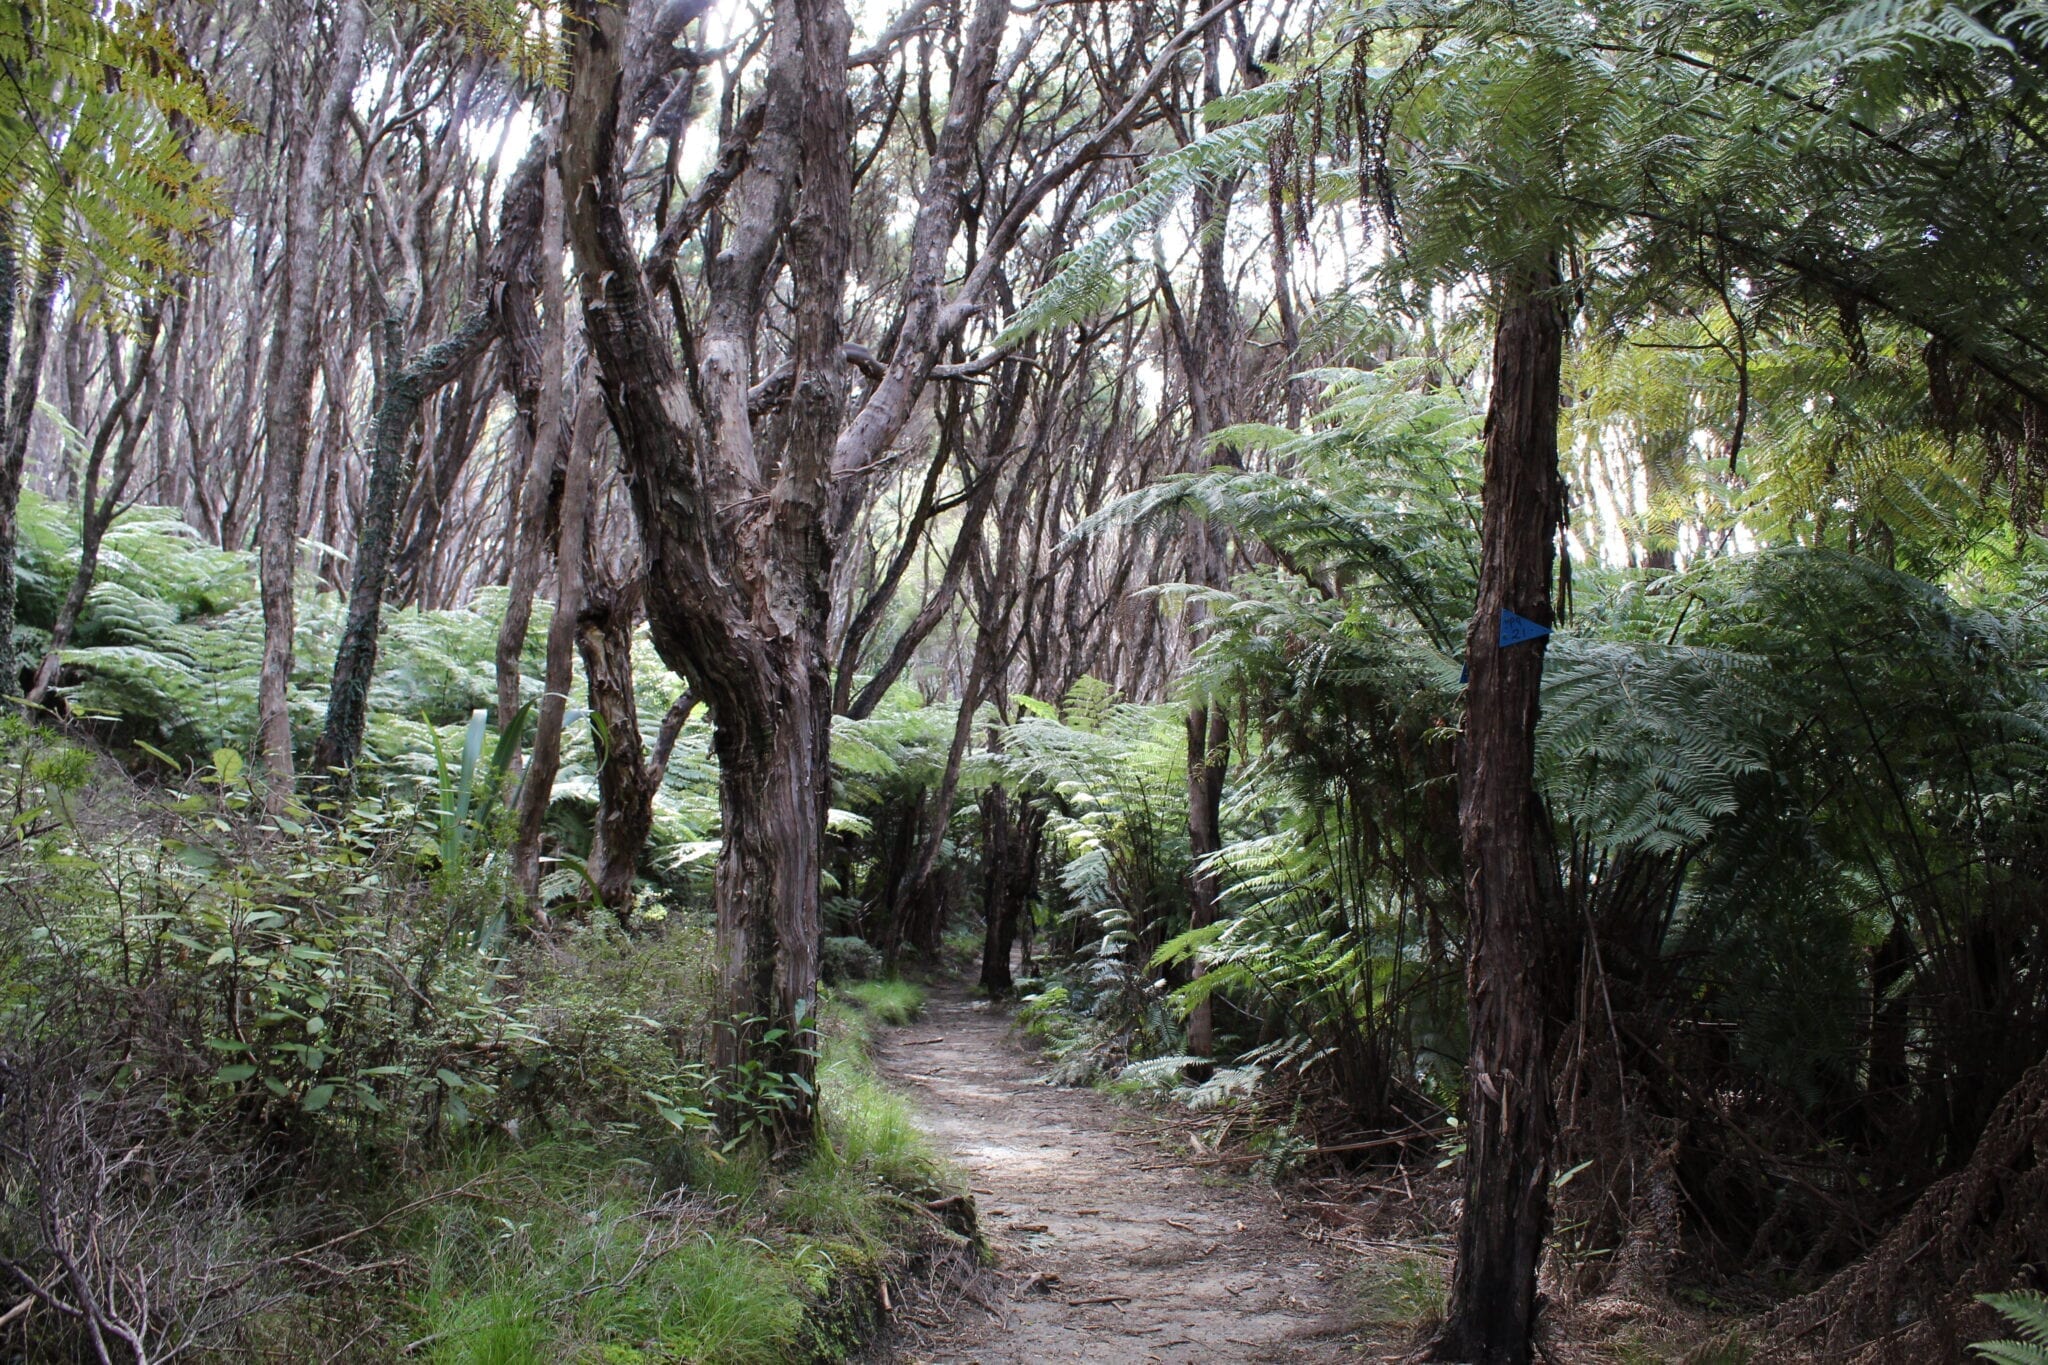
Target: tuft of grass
(712, 1297)
(887, 1002)
(1407, 1291)
(563, 1253)
(578, 1250)
(868, 1127)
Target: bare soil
(1106, 1248)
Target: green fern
(94, 162)
(1096, 276)
(2027, 1311)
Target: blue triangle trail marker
(1517, 629)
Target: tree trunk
(920, 911)
(1011, 838)
(995, 900)
(535, 361)
(1509, 867)
(1211, 361)
(735, 521)
(10, 278)
(537, 788)
(1208, 761)
(96, 511)
(532, 206)
(773, 788)
(15, 421)
(529, 542)
(626, 781)
(288, 400)
(355, 657)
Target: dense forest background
(1460, 581)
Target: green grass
(1408, 1291)
(887, 1002)
(580, 1251)
(868, 1126)
(567, 1252)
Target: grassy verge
(571, 1251)
(886, 1002)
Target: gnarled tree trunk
(734, 523)
(1509, 866)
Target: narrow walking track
(1106, 1248)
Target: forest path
(1105, 1248)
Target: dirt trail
(1106, 1250)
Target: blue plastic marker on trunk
(1517, 629)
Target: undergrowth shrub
(845, 958)
(268, 1069)
(582, 1249)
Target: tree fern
(1095, 277)
(93, 156)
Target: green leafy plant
(461, 791)
(2027, 1311)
